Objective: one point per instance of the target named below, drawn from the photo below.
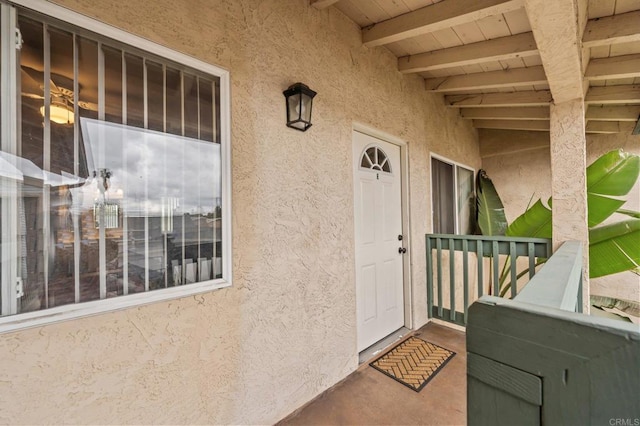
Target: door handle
(402, 250)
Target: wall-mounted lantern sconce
(299, 101)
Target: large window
(115, 176)
(452, 189)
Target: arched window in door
(374, 158)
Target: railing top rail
(626, 329)
(557, 283)
(489, 238)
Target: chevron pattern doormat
(413, 362)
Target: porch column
(558, 27)
(568, 180)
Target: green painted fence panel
(542, 245)
(494, 407)
(502, 395)
(588, 366)
(525, 386)
(494, 248)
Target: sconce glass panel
(299, 104)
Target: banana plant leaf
(534, 222)
(613, 174)
(599, 208)
(629, 213)
(614, 248)
(490, 210)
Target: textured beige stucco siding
(286, 330)
(519, 165)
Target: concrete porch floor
(368, 397)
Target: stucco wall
(518, 163)
(286, 330)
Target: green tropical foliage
(534, 222)
(629, 213)
(613, 247)
(490, 210)
(613, 174)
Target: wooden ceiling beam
(555, 27)
(537, 126)
(625, 66)
(604, 127)
(488, 80)
(498, 49)
(510, 99)
(614, 29)
(322, 4)
(622, 94)
(506, 113)
(614, 113)
(609, 127)
(438, 16)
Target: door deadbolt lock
(402, 250)
(400, 237)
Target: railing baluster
(465, 276)
(439, 266)
(429, 277)
(514, 273)
(452, 281)
(496, 268)
(490, 246)
(532, 259)
(480, 254)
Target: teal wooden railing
(534, 360)
(558, 284)
(474, 249)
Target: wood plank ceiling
(483, 56)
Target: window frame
(81, 22)
(455, 165)
(372, 169)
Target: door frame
(404, 195)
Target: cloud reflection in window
(148, 167)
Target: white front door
(378, 230)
